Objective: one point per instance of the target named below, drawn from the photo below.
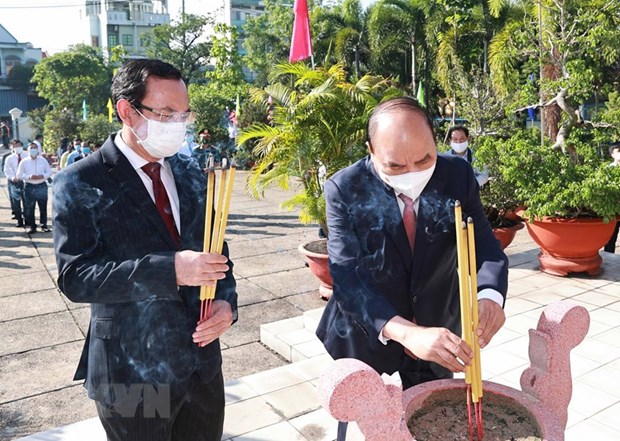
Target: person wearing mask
(14, 184)
(128, 235)
(459, 142)
(614, 152)
(392, 253)
(34, 171)
(77, 151)
(204, 150)
(188, 145)
(84, 151)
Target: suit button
(414, 299)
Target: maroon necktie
(409, 218)
(152, 169)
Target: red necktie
(409, 218)
(152, 169)
(19, 158)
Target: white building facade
(13, 53)
(112, 23)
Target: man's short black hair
(393, 104)
(39, 136)
(15, 141)
(613, 146)
(456, 129)
(129, 83)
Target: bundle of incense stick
(215, 223)
(468, 287)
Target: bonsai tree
(317, 126)
(498, 196)
(551, 183)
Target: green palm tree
(318, 127)
(342, 31)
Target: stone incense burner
(352, 391)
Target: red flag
(301, 43)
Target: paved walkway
(268, 397)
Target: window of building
(127, 40)
(237, 15)
(112, 40)
(10, 62)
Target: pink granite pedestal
(352, 391)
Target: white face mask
(459, 147)
(162, 139)
(19, 150)
(616, 156)
(33, 153)
(411, 184)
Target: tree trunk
(552, 114)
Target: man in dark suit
(128, 234)
(392, 253)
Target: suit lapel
(191, 194)
(132, 186)
(394, 227)
(433, 210)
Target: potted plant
(498, 196)
(317, 127)
(572, 199)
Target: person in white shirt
(15, 185)
(34, 171)
(38, 140)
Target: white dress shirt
(11, 164)
(30, 167)
(167, 178)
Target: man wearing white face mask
(392, 253)
(34, 171)
(128, 235)
(15, 184)
(459, 142)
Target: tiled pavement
(280, 403)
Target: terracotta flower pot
(317, 262)
(507, 234)
(570, 245)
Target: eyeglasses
(187, 117)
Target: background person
(34, 171)
(459, 143)
(14, 184)
(614, 152)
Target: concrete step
(294, 338)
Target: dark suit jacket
(375, 275)
(113, 251)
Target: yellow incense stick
(473, 277)
(461, 248)
(206, 246)
(221, 217)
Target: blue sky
(53, 25)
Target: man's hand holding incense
(199, 269)
(208, 330)
(438, 345)
(491, 318)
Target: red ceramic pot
(317, 262)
